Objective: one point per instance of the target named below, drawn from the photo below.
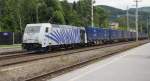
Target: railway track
(66, 70)
(10, 59)
(27, 68)
(7, 56)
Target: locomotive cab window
(46, 29)
(32, 29)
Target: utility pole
(0, 27)
(37, 13)
(92, 12)
(141, 27)
(128, 25)
(148, 27)
(136, 20)
(13, 38)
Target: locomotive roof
(54, 25)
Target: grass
(11, 46)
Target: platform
(132, 65)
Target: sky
(122, 4)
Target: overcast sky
(122, 4)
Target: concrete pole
(37, 14)
(13, 38)
(0, 27)
(148, 27)
(92, 13)
(136, 21)
(128, 25)
(141, 27)
(20, 24)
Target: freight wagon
(97, 35)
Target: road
(132, 65)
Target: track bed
(26, 70)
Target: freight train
(44, 36)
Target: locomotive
(44, 36)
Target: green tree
(15, 14)
(71, 16)
(55, 11)
(100, 17)
(83, 8)
(58, 17)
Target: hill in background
(119, 15)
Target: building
(114, 25)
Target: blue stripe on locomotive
(65, 35)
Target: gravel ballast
(28, 70)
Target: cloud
(122, 4)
